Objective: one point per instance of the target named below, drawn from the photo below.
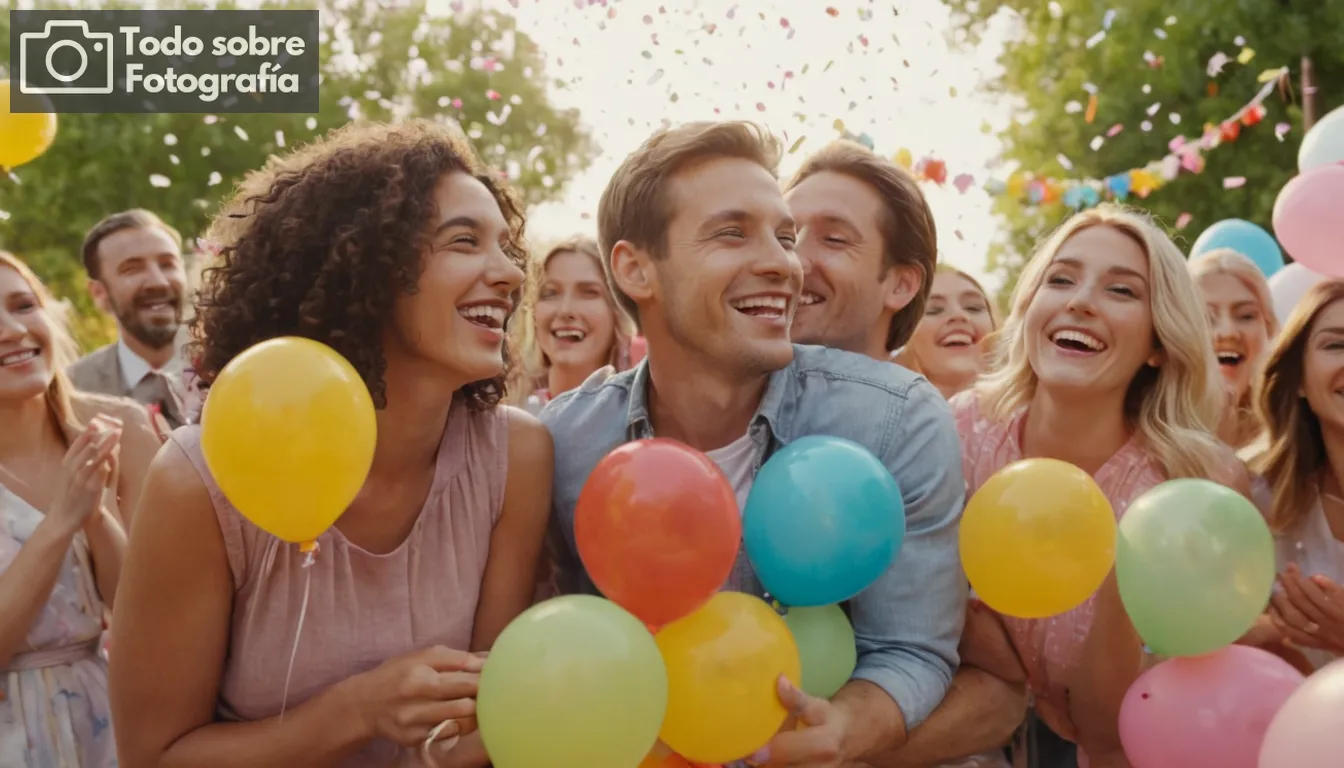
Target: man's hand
(818, 741)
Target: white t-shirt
(738, 461)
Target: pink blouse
(364, 608)
(1050, 649)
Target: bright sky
(640, 63)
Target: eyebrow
(458, 221)
(836, 218)
(1126, 271)
(1334, 330)
(739, 215)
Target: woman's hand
(1309, 612)
(87, 470)
(407, 697)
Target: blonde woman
(572, 327)
(65, 458)
(1241, 317)
(947, 344)
(1303, 468)
(1106, 338)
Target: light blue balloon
(824, 519)
(1245, 238)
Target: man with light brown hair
(698, 244)
(869, 246)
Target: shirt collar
(134, 368)
(772, 409)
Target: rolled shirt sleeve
(908, 623)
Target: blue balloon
(824, 519)
(1245, 238)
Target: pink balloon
(1205, 710)
(1288, 286)
(1309, 729)
(1307, 221)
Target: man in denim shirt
(867, 239)
(699, 246)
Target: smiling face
(947, 342)
(843, 303)
(1323, 368)
(141, 281)
(727, 284)
(1089, 327)
(26, 349)
(575, 323)
(455, 318)
(1240, 332)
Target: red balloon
(658, 528)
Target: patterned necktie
(157, 390)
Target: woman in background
(1303, 468)
(397, 247)
(71, 464)
(1241, 317)
(571, 326)
(1107, 333)
(946, 346)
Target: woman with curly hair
(573, 325)
(395, 246)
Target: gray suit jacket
(100, 371)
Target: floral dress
(54, 710)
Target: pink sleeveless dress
(363, 608)
(1050, 649)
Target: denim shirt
(908, 623)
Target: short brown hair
(136, 218)
(635, 205)
(909, 235)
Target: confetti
(1175, 118)
(1271, 74)
(215, 178)
(1183, 220)
(159, 180)
(1073, 107)
(1114, 130)
(1146, 126)
(173, 159)
(1245, 56)
(1064, 161)
(1095, 40)
(1160, 33)
(963, 182)
(1097, 143)
(1281, 130)
(832, 12)
(239, 132)
(1171, 20)
(1091, 108)
(797, 144)
(1154, 108)
(205, 151)
(493, 95)
(1216, 63)
(658, 75)
(1108, 19)
(1238, 40)
(1234, 182)
(170, 139)
(279, 138)
(760, 107)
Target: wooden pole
(1308, 94)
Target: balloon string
(308, 561)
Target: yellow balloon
(1037, 539)
(574, 682)
(24, 135)
(723, 667)
(288, 433)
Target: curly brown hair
(320, 242)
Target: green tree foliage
(380, 61)
(1048, 63)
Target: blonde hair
(1174, 408)
(63, 349)
(907, 356)
(1225, 261)
(534, 366)
(1295, 448)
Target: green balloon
(574, 682)
(1195, 566)
(826, 647)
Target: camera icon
(65, 58)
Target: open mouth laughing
(765, 306)
(1077, 341)
(19, 357)
(486, 314)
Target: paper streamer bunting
(1185, 154)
